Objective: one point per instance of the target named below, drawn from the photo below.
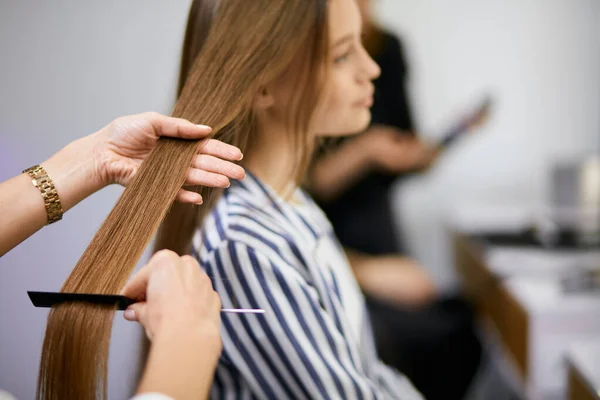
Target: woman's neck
(271, 157)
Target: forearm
(22, 205)
(338, 170)
(355, 258)
(360, 261)
(392, 278)
(181, 365)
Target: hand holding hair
(111, 155)
(122, 145)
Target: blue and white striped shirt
(315, 339)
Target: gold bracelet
(42, 181)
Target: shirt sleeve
(295, 349)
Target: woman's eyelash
(343, 57)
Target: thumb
(137, 312)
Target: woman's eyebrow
(343, 40)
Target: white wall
(540, 59)
(69, 67)
(66, 69)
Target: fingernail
(129, 314)
(241, 157)
(203, 126)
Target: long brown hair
(373, 39)
(177, 229)
(234, 48)
(373, 36)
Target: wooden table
(534, 320)
(584, 371)
(493, 300)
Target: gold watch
(42, 181)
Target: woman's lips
(365, 102)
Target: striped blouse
(314, 340)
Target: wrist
(181, 363)
(73, 171)
(206, 334)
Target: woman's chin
(352, 126)
(362, 122)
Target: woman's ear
(264, 99)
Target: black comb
(49, 299)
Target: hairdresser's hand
(114, 153)
(181, 314)
(124, 143)
(174, 294)
(392, 152)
